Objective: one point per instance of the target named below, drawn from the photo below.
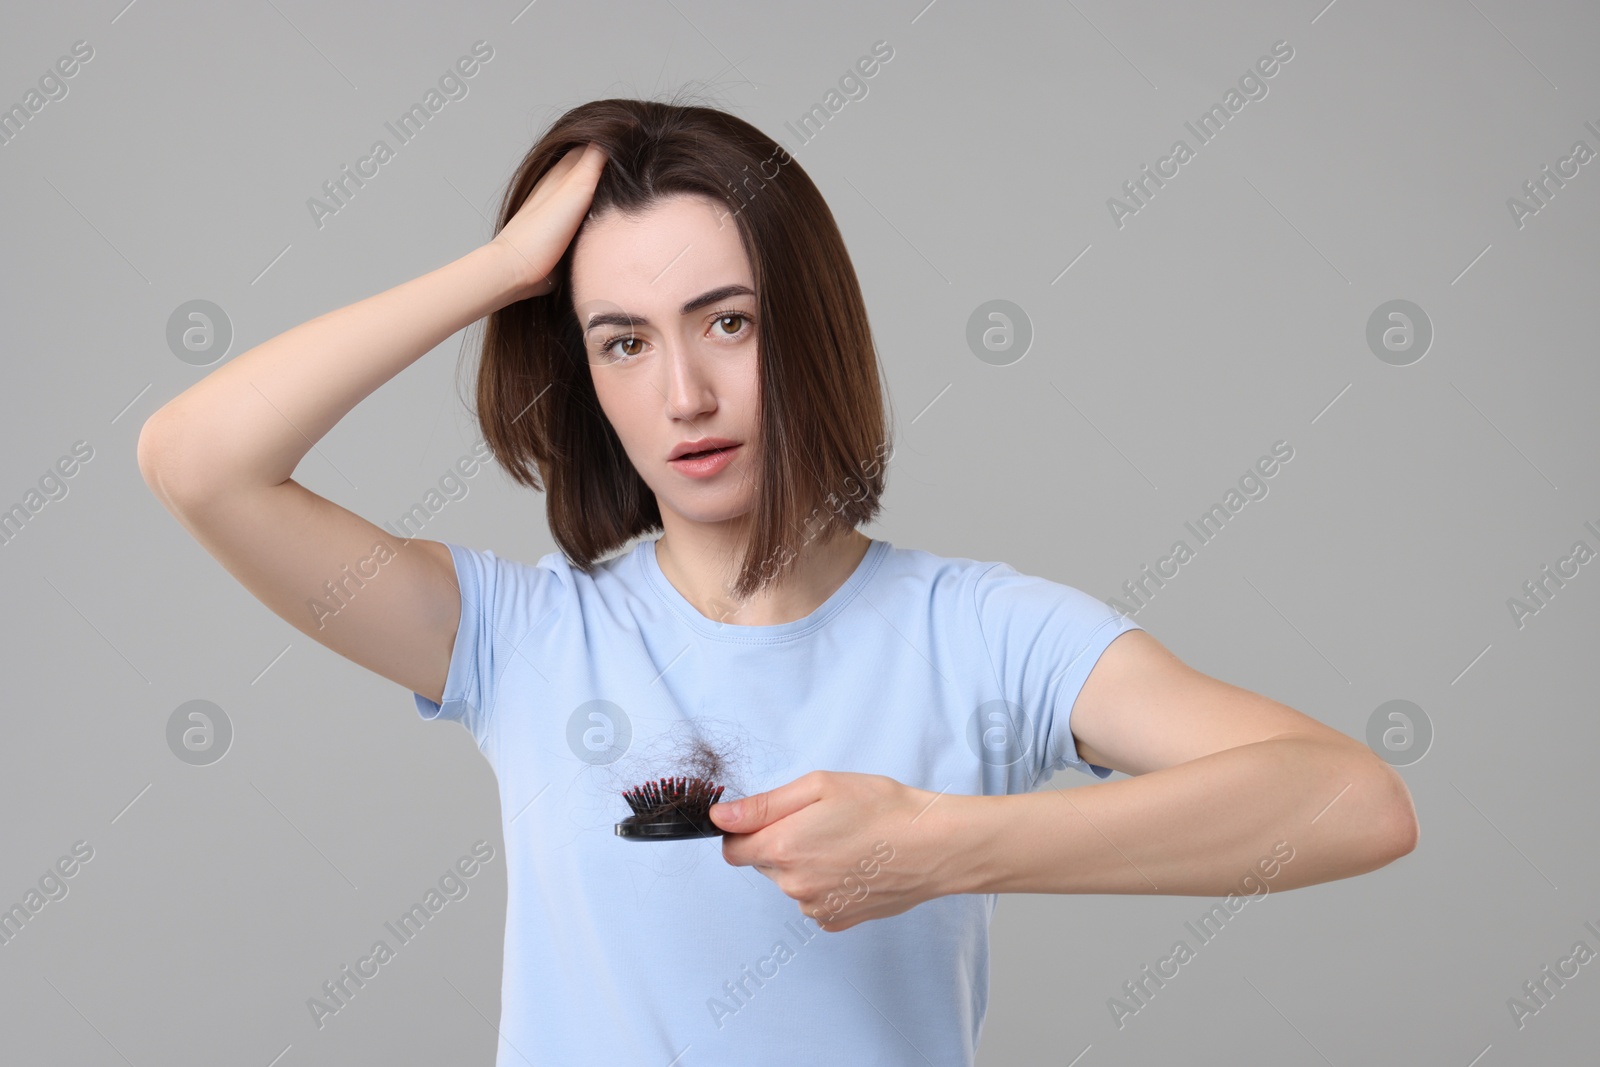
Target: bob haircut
(825, 443)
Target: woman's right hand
(536, 237)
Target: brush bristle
(666, 796)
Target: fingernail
(730, 810)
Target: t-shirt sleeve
(1043, 638)
(501, 602)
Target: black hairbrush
(670, 809)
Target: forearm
(253, 419)
(1196, 828)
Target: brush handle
(679, 827)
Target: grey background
(1229, 313)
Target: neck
(701, 560)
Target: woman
(665, 281)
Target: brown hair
(822, 424)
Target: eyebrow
(623, 318)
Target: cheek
(616, 405)
(750, 396)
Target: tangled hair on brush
(689, 749)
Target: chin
(712, 516)
(709, 512)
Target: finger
(585, 160)
(586, 170)
(555, 175)
(570, 158)
(824, 920)
(742, 852)
(752, 813)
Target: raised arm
(220, 455)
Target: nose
(689, 389)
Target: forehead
(678, 248)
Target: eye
(723, 318)
(605, 351)
(608, 349)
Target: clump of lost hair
(822, 421)
(688, 751)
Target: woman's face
(667, 305)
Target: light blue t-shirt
(946, 674)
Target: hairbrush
(670, 809)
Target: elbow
(1382, 827)
(1408, 831)
(156, 454)
(1400, 828)
(146, 451)
(153, 453)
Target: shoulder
(942, 573)
(516, 586)
(1002, 604)
(991, 584)
(1041, 612)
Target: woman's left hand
(847, 847)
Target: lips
(701, 447)
(706, 461)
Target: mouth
(705, 446)
(704, 462)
